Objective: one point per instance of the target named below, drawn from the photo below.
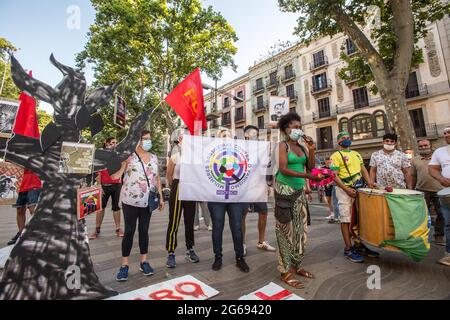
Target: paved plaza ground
(336, 277)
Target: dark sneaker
(146, 268)
(364, 251)
(123, 274)
(217, 265)
(439, 240)
(242, 265)
(353, 256)
(171, 263)
(192, 256)
(14, 239)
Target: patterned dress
(291, 236)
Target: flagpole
(154, 109)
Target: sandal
(304, 273)
(93, 235)
(119, 232)
(287, 278)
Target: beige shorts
(345, 204)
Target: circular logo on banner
(228, 168)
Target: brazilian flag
(410, 217)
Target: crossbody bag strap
(345, 164)
(143, 168)
(288, 148)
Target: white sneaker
(245, 249)
(330, 217)
(209, 228)
(445, 260)
(265, 246)
(196, 228)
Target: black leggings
(131, 215)
(175, 208)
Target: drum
(375, 223)
(444, 196)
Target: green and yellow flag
(410, 217)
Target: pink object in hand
(324, 172)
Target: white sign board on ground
(4, 255)
(182, 288)
(271, 292)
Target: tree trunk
(399, 120)
(53, 241)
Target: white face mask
(389, 147)
(296, 134)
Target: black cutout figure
(54, 240)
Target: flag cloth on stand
(188, 102)
(411, 230)
(27, 125)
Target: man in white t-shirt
(439, 168)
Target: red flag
(187, 100)
(26, 119)
(26, 125)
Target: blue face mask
(346, 143)
(147, 145)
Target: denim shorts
(28, 198)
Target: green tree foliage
(386, 35)
(44, 119)
(9, 89)
(151, 46)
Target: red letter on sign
(164, 294)
(278, 296)
(197, 289)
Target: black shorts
(112, 191)
(257, 207)
(329, 190)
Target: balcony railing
(226, 121)
(212, 114)
(316, 89)
(258, 88)
(331, 113)
(317, 64)
(350, 107)
(272, 83)
(352, 79)
(214, 124)
(428, 130)
(288, 76)
(239, 118)
(326, 146)
(293, 96)
(261, 107)
(419, 91)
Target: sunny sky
(39, 28)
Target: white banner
(223, 170)
(182, 288)
(271, 292)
